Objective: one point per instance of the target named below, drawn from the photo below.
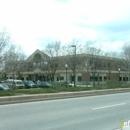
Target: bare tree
(14, 60)
(72, 58)
(53, 51)
(126, 57)
(93, 59)
(5, 42)
(112, 62)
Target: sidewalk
(61, 95)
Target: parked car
(70, 84)
(4, 87)
(43, 84)
(1, 81)
(15, 84)
(29, 84)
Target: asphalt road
(102, 112)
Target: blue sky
(34, 23)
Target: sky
(35, 23)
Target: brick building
(40, 66)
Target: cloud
(62, 1)
(34, 23)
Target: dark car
(4, 87)
(29, 84)
(43, 84)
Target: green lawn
(55, 89)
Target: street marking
(108, 106)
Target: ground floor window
(93, 78)
(120, 78)
(100, 78)
(61, 78)
(125, 78)
(105, 78)
(72, 78)
(79, 78)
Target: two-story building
(40, 66)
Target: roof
(43, 55)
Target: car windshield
(30, 82)
(47, 83)
(18, 82)
(4, 86)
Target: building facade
(40, 66)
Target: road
(102, 112)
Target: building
(40, 66)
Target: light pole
(46, 70)
(66, 66)
(74, 65)
(109, 70)
(119, 73)
(28, 72)
(86, 74)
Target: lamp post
(119, 73)
(28, 71)
(86, 75)
(45, 63)
(66, 66)
(74, 65)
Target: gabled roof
(43, 55)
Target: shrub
(113, 83)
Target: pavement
(100, 112)
(60, 95)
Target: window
(61, 78)
(108, 64)
(72, 78)
(57, 78)
(100, 64)
(96, 78)
(104, 64)
(105, 78)
(34, 64)
(100, 78)
(37, 57)
(39, 64)
(93, 78)
(25, 66)
(31, 66)
(79, 78)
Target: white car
(13, 83)
(70, 84)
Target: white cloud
(115, 46)
(31, 20)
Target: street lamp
(74, 66)
(28, 71)
(66, 66)
(46, 70)
(86, 74)
(119, 73)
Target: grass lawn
(55, 89)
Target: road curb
(52, 96)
